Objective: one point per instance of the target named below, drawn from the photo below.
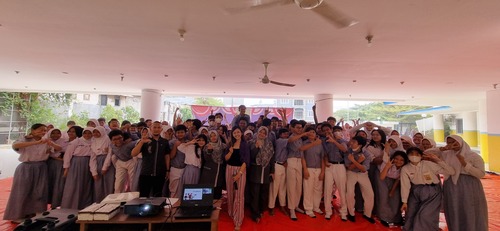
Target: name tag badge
(428, 177)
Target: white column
(470, 128)
(151, 104)
(492, 156)
(324, 106)
(438, 126)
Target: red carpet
(280, 222)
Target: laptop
(196, 202)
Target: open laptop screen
(196, 195)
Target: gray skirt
(465, 205)
(78, 187)
(191, 175)
(104, 185)
(389, 207)
(56, 182)
(29, 191)
(424, 204)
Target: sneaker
(300, 210)
(369, 219)
(292, 215)
(328, 216)
(318, 211)
(351, 218)
(311, 214)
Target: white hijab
(165, 128)
(453, 161)
(398, 141)
(100, 144)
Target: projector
(144, 206)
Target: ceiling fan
(332, 15)
(266, 80)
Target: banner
(202, 112)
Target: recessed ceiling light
(354, 81)
(308, 80)
(64, 72)
(95, 88)
(25, 86)
(166, 76)
(17, 72)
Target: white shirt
(425, 172)
(189, 151)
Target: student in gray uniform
(277, 187)
(421, 190)
(124, 163)
(335, 173)
(78, 188)
(55, 167)
(177, 164)
(294, 169)
(389, 188)
(30, 177)
(313, 168)
(465, 206)
(101, 168)
(261, 166)
(358, 164)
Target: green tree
(109, 112)
(379, 112)
(208, 101)
(80, 119)
(35, 107)
(131, 114)
(186, 112)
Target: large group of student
(400, 180)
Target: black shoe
(369, 219)
(351, 218)
(384, 223)
(343, 219)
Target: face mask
(414, 159)
(218, 120)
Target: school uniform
(277, 188)
(192, 170)
(389, 206)
(421, 190)
(294, 173)
(335, 174)
(55, 174)
(30, 182)
(313, 186)
(78, 189)
(124, 166)
(357, 176)
(177, 166)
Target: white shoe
(311, 214)
(300, 210)
(318, 211)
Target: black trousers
(259, 198)
(151, 186)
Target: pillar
(324, 106)
(470, 128)
(483, 129)
(151, 104)
(438, 126)
(493, 110)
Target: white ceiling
(447, 52)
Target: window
(310, 113)
(298, 102)
(117, 100)
(298, 114)
(104, 100)
(310, 101)
(460, 126)
(284, 101)
(86, 97)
